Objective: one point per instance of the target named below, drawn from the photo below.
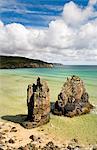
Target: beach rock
(50, 146)
(73, 99)
(33, 138)
(11, 141)
(13, 129)
(73, 145)
(38, 103)
(74, 140)
(29, 146)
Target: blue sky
(61, 31)
(37, 13)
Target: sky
(60, 31)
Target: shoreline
(14, 136)
(60, 129)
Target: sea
(14, 82)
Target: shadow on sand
(15, 118)
(21, 117)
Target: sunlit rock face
(73, 99)
(38, 103)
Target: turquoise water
(82, 71)
(13, 98)
(87, 73)
(14, 82)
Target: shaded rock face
(73, 99)
(38, 103)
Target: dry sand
(21, 136)
(13, 136)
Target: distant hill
(58, 65)
(12, 62)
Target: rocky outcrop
(73, 99)
(38, 103)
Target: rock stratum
(12, 62)
(38, 102)
(73, 100)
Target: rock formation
(38, 103)
(73, 99)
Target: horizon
(51, 62)
(47, 31)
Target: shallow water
(14, 82)
(13, 95)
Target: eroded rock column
(38, 103)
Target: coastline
(13, 102)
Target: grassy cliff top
(21, 62)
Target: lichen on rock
(38, 102)
(73, 99)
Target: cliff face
(12, 62)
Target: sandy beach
(60, 130)
(14, 136)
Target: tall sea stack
(73, 99)
(38, 103)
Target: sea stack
(73, 100)
(38, 103)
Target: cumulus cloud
(92, 2)
(71, 37)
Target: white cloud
(71, 37)
(75, 16)
(92, 2)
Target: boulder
(50, 146)
(11, 141)
(73, 99)
(38, 103)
